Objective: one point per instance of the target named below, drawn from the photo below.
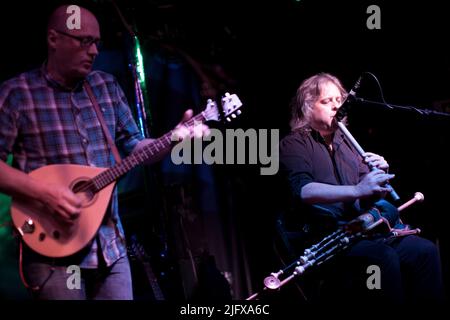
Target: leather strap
(111, 143)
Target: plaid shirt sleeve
(127, 132)
(8, 121)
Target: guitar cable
(22, 277)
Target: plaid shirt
(43, 123)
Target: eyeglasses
(85, 42)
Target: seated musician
(332, 185)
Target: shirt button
(103, 109)
(85, 141)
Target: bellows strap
(111, 143)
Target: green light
(5, 202)
(144, 116)
(139, 61)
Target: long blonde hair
(307, 94)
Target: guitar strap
(108, 137)
(151, 277)
(111, 143)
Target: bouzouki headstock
(231, 105)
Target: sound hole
(84, 189)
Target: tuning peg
(233, 116)
(228, 119)
(238, 112)
(227, 97)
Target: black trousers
(405, 269)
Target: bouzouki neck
(145, 155)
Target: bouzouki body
(42, 231)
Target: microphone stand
(425, 112)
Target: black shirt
(305, 158)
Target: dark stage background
(210, 231)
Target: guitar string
(152, 148)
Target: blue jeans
(52, 281)
(410, 271)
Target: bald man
(47, 117)
(71, 51)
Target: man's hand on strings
(189, 128)
(62, 202)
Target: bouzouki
(44, 233)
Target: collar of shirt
(337, 139)
(55, 84)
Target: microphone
(351, 97)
